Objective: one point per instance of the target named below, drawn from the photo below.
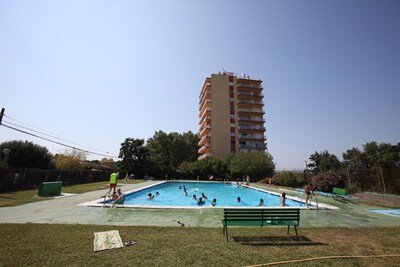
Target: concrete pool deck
(67, 210)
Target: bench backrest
(256, 214)
(339, 191)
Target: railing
(253, 110)
(252, 102)
(252, 136)
(252, 146)
(250, 93)
(249, 85)
(251, 119)
(251, 128)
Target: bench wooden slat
(260, 217)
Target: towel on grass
(107, 240)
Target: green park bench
(260, 217)
(338, 193)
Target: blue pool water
(390, 212)
(226, 194)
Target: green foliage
(322, 162)
(71, 160)
(290, 179)
(25, 155)
(168, 151)
(208, 166)
(134, 156)
(326, 181)
(255, 164)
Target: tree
(25, 155)
(322, 162)
(168, 151)
(71, 160)
(255, 164)
(134, 156)
(207, 167)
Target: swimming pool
(390, 212)
(171, 194)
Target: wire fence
(25, 179)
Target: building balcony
(204, 112)
(205, 120)
(204, 139)
(206, 155)
(251, 110)
(252, 146)
(252, 119)
(205, 130)
(206, 104)
(205, 89)
(241, 94)
(251, 137)
(249, 85)
(252, 128)
(250, 102)
(206, 148)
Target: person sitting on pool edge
(214, 202)
(118, 198)
(283, 199)
(200, 202)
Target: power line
(19, 126)
(35, 133)
(76, 148)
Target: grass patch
(72, 245)
(17, 198)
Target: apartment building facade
(231, 112)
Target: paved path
(67, 211)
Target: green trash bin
(50, 188)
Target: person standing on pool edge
(308, 191)
(113, 181)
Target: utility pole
(306, 178)
(1, 115)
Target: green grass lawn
(17, 198)
(72, 245)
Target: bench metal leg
(295, 228)
(288, 229)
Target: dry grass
(72, 245)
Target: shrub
(290, 179)
(326, 181)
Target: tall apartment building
(231, 116)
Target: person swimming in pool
(200, 201)
(214, 202)
(261, 202)
(204, 196)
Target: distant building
(231, 115)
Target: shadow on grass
(276, 241)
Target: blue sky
(97, 72)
